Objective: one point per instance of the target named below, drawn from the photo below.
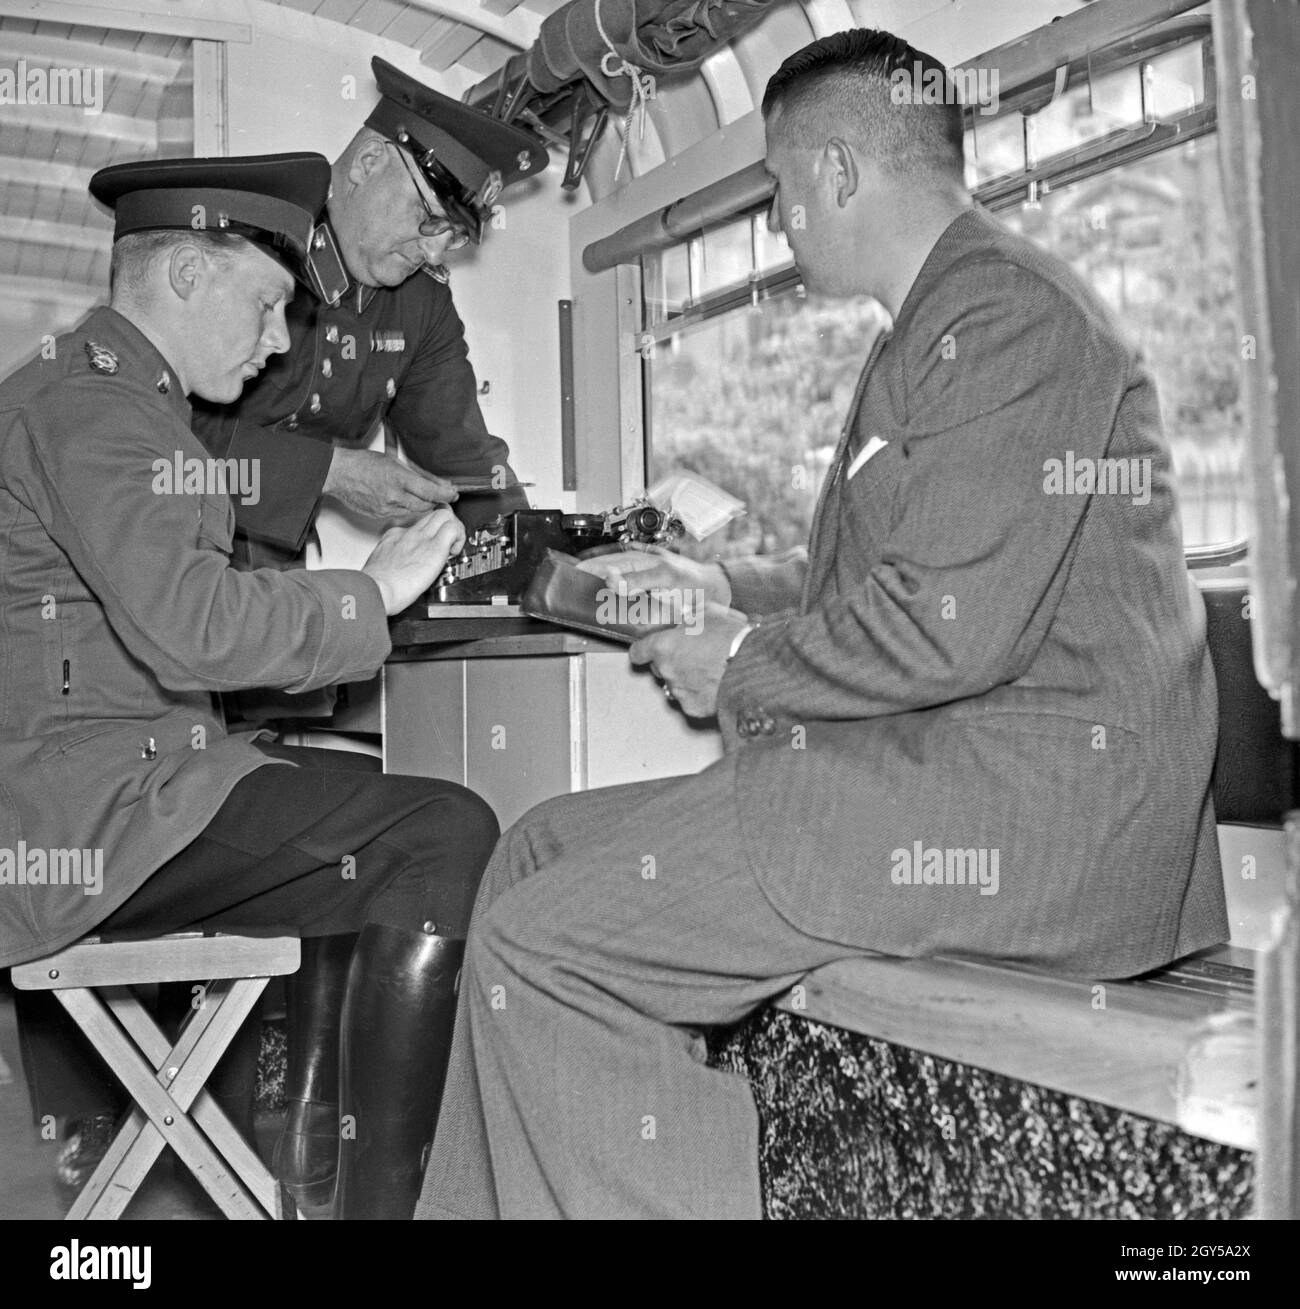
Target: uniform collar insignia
(102, 359)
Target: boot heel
(305, 1161)
(311, 1199)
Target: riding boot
(396, 1039)
(306, 1155)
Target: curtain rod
(1019, 62)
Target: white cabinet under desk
(529, 714)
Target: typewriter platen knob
(646, 522)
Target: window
(74, 99)
(748, 383)
(753, 400)
(1151, 239)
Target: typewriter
(499, 560)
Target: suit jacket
(980, 717)
(391, 353)
(119, 617)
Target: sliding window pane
(753, 400)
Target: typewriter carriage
(499, 559)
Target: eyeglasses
(434, 226)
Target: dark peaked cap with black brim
(466, 156)
(271, 200)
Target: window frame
(1114, 151)
(1110, 152)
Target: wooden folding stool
(92, 980)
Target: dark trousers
(322, 848)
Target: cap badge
(524, 160)
(102, 359)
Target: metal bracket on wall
(568, 434)
(513, 95)
(580, 144)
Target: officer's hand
(376, 485)
(690, 660)
(652, 568)
(407, 559)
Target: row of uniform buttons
(758, 723)
(327, 371)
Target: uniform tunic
(391, 353)
(119, 618)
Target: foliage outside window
(1151, 240)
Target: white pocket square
(874, 446)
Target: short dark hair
(841, 85)
(135, 252)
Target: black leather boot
(396, 1039)
(306, 1155)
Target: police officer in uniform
(419, 180)
(123, 615)
(381, 340)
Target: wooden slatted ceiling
(337, 11)
(53, 238)
(485, 56)
(408, 26)
(376, 15)
(448, 45)
(441, 40)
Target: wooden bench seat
(955, 1088)
(857, 1127)
(1177, 1046)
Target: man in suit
(976, 715)
(123, 616)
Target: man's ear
(369, 159)
(185, 269)
(841, 169)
